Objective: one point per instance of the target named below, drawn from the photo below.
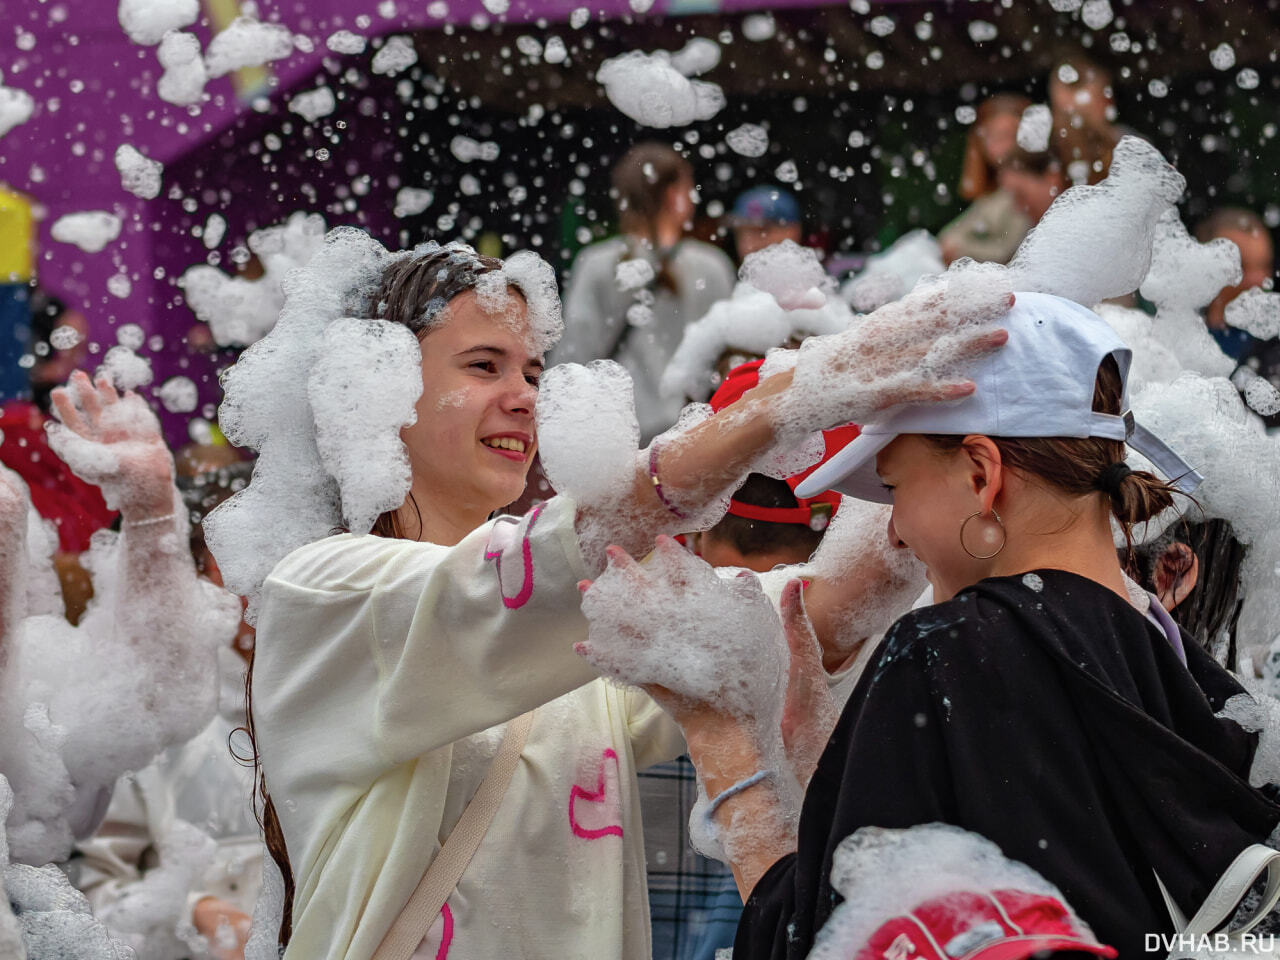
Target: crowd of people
(831, 581)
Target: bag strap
(1223, 900)
(442, 876)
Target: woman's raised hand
(115, 443)
(674, 622)
(914, 350)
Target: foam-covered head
(324, 396)
(1041, 384)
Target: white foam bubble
(397, 54)
(750, 321)
(380, 363)
(1034, 128)
(1256, 311)
(240, 311)
(791, 273)
(649, 89)
(311, 105)
(748, 140)
(184, 77)
(139, 174)
(246, 43)
(1094, 243)
(147, 21)
(410, 201)
(344, 41)
(91, 231)
(890, 274)
(16, 107)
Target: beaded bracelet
(657, 484)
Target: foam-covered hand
(673, 621)
(115, 443)
(809, 713)
(914, 350)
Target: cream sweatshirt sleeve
(374, 651)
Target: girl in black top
(1037, 703)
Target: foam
(1205, 420)
(1184, 277)
(675, 621)
(751, 321)
(882, 873)
(1257, 312)
(901, 348)
(1095, 242)
(184, 77)
(91, 231)
(397, 54)
(791, 273)
(650, 89)
(147, 21)
(16, 107)
(411, 201)
(379, 362)
(246, 43)
(1034, 128)
(311, 105)
(344, 41)
(81, 705)
(127, 370)
(240, 311)
(891, 274)
(748, 140)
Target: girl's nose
(895, 540)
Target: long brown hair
(1083, 465)
(414, 292)
(641, 180)
(978, 174)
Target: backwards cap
(814, 512)
(1040, 384)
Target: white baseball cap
(1040, 384)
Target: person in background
(1193, 569)
(1034, 179)
(763, 216)
(993, 225)
(59, 341)
(200, 782)
(1084, 132)
(1247, 231)
(992, 137)
(694, 903)
(629, 298)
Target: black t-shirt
(1046, 714)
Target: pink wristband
(657, 484)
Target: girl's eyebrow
(501, 354)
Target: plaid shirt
(693, 901)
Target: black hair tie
(1112, 478)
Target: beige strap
(442, 876)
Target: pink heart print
(442, 932)
(598, 814)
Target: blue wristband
(736, 789)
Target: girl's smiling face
(474, 439)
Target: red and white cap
(814, 512)
(996, 925)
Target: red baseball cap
(964, 925)
(814, 512)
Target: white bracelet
(736, 789)
(149, 521)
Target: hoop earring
(1004, 536)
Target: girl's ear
(1176, 575)
(985, 468)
